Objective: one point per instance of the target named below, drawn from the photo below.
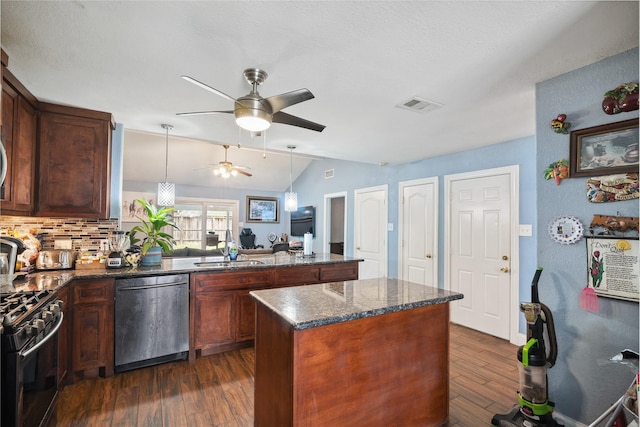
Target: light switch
(526, 230)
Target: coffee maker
(12, 247)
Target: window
(203, 223)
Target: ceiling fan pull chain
(264, 144)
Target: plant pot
(152, 258)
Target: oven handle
(41, 343)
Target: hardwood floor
(217, 390)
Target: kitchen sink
(228, 264)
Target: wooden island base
(385, 370)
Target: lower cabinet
(92, 327)
(223, 312)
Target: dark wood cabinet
(223, 312)
(74, 162)
(93, 328)
(19, 119)
(64, 337)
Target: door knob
(505, 269)
(357, 247)
(428, 256)
(504, 257)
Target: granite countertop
(311, 306)
(57, 278)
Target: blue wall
(582, 385)
(349, 176)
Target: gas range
(27, 314)
(30, 322)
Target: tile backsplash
(84, 233)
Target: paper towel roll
(308, 244)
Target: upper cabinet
(74, 148)
(59, 157)
(19, 135)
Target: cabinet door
(19, 136)
(75, 158)
(246, 316)
(93, 322)
(214, 318)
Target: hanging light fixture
(166, 190)
(290, 198)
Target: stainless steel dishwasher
(151, 320)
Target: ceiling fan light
(290, 201)
(253, 120)
(234, 172)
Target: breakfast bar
(361, 352)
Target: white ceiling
(360, 59)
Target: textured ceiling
(479, 59)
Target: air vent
(328, 174)
(419, 105)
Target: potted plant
(154, 240)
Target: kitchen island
(362, 352)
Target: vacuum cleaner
(534, 409)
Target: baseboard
(568, 422)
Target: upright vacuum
(534, 409)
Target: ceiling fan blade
(207, 87)
(200, 113)
(284, 100)
(288, 119)
(243, 172)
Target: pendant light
(166, 190)
(290, 198)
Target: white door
(418, 231)
(480, 233)
(370, 231)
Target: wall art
(613, 266)
(605, 149)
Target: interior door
(370, 231)
(418, 231)
(480, 227)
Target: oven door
(30, 383)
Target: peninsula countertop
(55, 279)
(328, 303)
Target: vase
(152, 258)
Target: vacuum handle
(551, 334)
(534, 285)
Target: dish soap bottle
(233, 250)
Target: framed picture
(614, 267)
(604, 150)
(262, 209)
(131, 209)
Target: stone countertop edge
(56, 279)
(312, 306)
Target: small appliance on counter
(12, 247)
(118, 244)
(56, 259)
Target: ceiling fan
(255, 113)
(226, 169)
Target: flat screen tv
(303, 221)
